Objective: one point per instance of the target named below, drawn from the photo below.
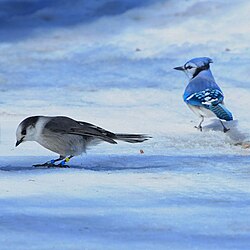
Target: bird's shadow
(131, 163)
(99, 163)
(235, 133)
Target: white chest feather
(201, 111)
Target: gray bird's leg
(50, 163)
(62, 164)
(224, 127)
(199, 126)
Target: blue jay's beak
(180, 68)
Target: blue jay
(202, 95)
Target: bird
(67, 137)
(202, 94)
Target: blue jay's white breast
(200, 111)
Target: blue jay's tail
(221, 112)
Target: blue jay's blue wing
(205, 98)
(211, 99)
(199, 84)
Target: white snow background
(111, 63)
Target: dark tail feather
(221, 112)
(132, 138)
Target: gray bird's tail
(132, 138)
(221, 112)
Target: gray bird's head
(194, 66)
(26, 130)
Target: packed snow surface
(111, 63)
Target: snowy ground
(111, 63)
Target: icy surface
(111, 63)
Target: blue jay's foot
(224, 128)
(199, 127)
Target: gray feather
(66, 125)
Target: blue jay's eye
(189, 67)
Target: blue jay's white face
(194, 66)
(190, 69)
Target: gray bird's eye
(23, 132)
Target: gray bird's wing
(66, 125)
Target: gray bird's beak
(179, 68)
(19, 142)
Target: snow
(111, 63)
(126, 202)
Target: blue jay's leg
(199, 126)
(224, 128)
(50, 163)
(62, 164)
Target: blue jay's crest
(199, 61)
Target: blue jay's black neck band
(198, 70)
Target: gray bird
(67, 137)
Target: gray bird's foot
(199, 128)
(46, 164)
(62, 165)
(51, 165)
